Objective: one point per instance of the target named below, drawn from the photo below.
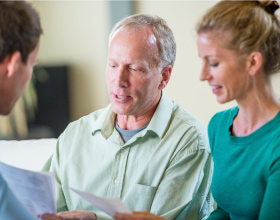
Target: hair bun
(270, 6)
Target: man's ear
(255, 62)
(166, 74)
(12, 62)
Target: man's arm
(53, 165)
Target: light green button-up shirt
(165, 168)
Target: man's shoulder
(190, 125)
(87, 120)
(182, 116)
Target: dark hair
(20, 29)
(251, 26)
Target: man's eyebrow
(111, 60)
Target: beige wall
(76, 32)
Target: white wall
(76, 32)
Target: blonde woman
(239, 43)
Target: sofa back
(27, 154)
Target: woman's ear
(255, 62)
(12, 62)
(166, 74)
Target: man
(142, 148)
(20, 30)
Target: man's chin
(5, 110)
(119, 111)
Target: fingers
(77, 215)
(49, 216)
(121, 216)
(143, 215)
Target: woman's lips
(216, 89)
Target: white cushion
(27, 154)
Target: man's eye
(133, 69)
(113, 66)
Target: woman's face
(224, 69)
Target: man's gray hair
(165, 39)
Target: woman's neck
(259, 107)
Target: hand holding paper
(70, 215)
(109, 206)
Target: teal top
(166, 168)
(246, 179)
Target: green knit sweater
(246, 179)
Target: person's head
(141, 55)
(20, 31)
(242, 39)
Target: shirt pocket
(140, 197)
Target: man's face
(132, 75)
(17, 82)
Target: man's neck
(132, 122)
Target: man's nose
(122, 77)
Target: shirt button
(122, 150)
(116, 181)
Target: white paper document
(35, 190)
(109, 206)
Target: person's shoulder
(181, 115)
(191, 126)
(87, 120)
(222, 116)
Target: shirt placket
(118, 173)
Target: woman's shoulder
(223, 116)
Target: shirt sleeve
(219, 214)
(184, 191)
(53, 165)
(10, 206)
(271, 202)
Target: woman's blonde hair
(249, 26)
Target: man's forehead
(145, 32)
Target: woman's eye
(214, 64)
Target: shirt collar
(161, 116)
(105, 122)
(158, 123)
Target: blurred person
(239, 43)
(20, 30)
(143, 147)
